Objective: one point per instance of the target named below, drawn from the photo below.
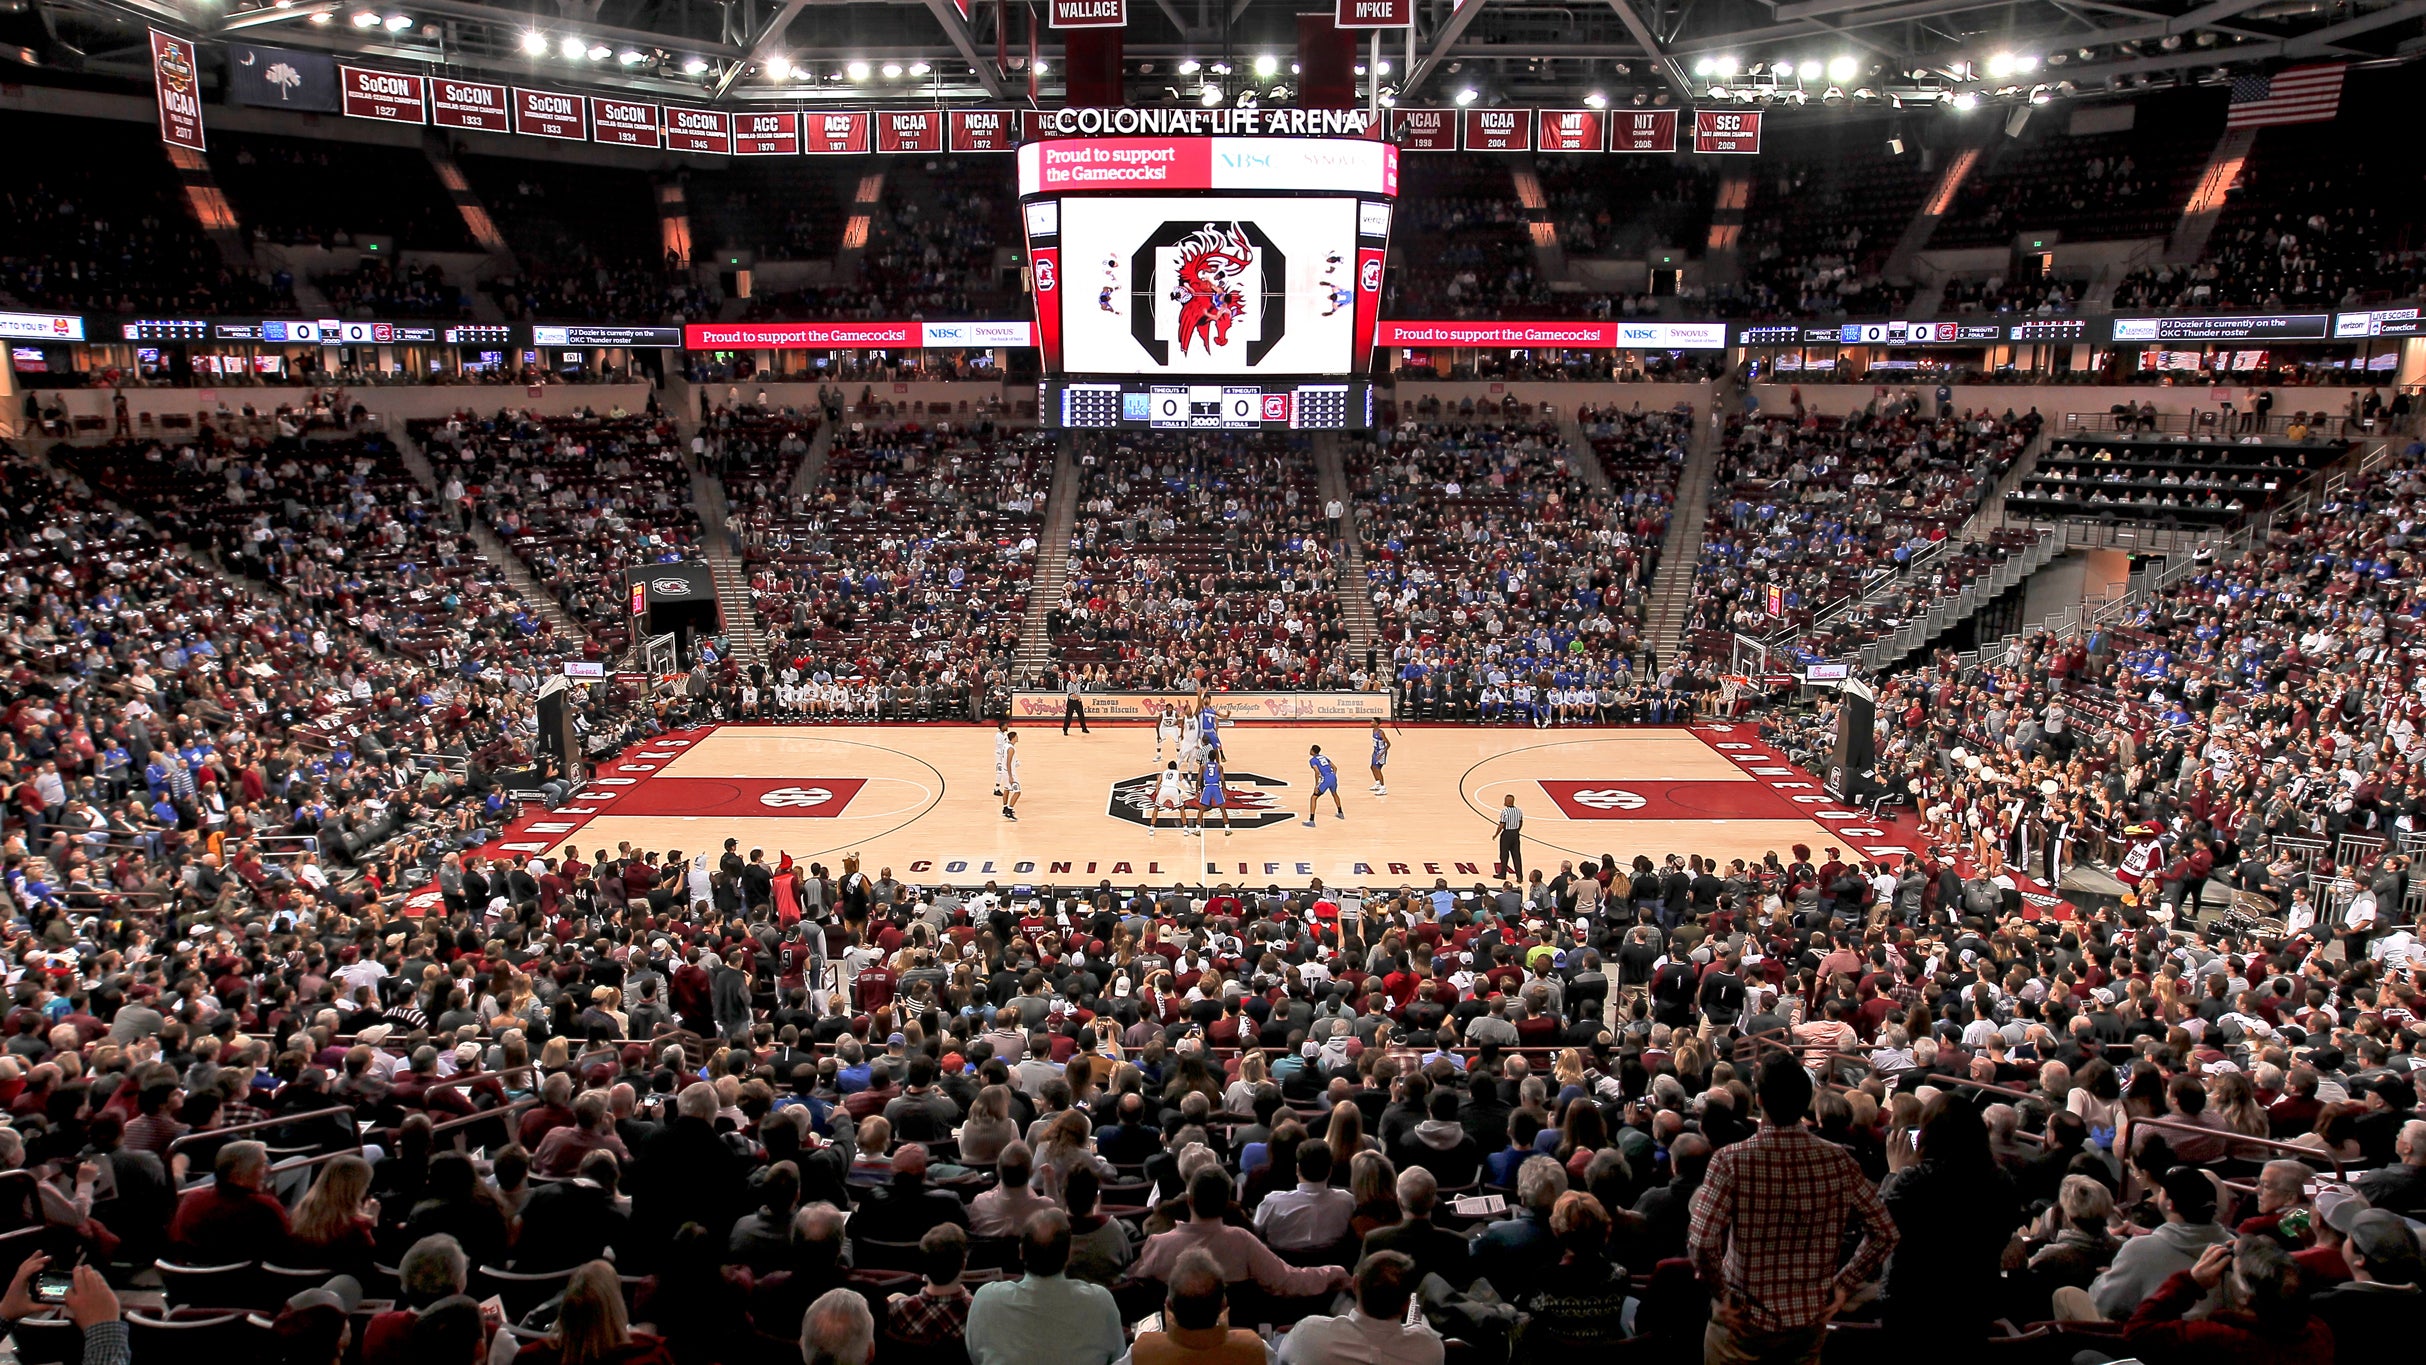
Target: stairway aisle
(743, 638)
(492, 546)
(1681, 551)
(1052, 567)
(1355, 603)
(812, 471)
(1580, 455)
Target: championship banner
(1643, 130)
(177, 86)
(698, 130)
(1719, 132)
(909, 130)
(1424, 130)
(1568, 130)
(1235, 706)
(382, 95)
(1499, 130)
(981, 130)
(625, 123)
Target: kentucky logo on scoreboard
(1206, 287)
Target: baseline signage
(1089, 13)
(717, 336)
(544, 335)
(41, 327)
(386, 96)
(845, 133)
(1241, 706)
(766, 134)
(1569, 130)
(1643, 130)
(1336, 166)
(469, 104)
(982, 130)
(1724, 132)
(544, 113)
(1374, 14)
(1424, 130)
(698, 130)
(1579, 336)
(2245, 327)
(625, 123)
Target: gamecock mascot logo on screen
(1213, 289)
(1211, 263)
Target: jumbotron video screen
(1207, 282)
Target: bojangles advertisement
(178, 84)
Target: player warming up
(1002, 742)
(1326, 779)
(1006, 773)
(1381, 755)
(1166, 731)
(1170, 794)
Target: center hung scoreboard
(1219, 279)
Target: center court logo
(1251, 801)
(786, 798)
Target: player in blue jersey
(1326, 779)
(1381, 755)
(1210, 796)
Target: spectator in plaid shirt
(938, 1314)
(1768, 1225)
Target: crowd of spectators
(2090, 187)
(1821, 226)
(2054, 296)
(1487, 551)
(897, 586)
(1810, 510)
(578, 499)
(1203, 561)
(1459, 244)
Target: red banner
(1723, 132)
(545, 113)
(383, 95)
(1499, 130)
(981, 130)
(698, 130)
(1374, 14)
(1088, 13)
(177, 86)
(1044, 276)
(909, 130)
(624, 123)
(1643, 130)
(469, 104)
(1424, 130)
(825, 133)
(1370, 263)
(1569, 130)
(766, 134)
(711, 336)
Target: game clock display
(1310, 406)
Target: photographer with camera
(85, 1296)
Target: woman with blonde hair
(591, 1328)
(2234, 1101)
(874, 1163)
(1345, 1137)
(1066, 1143)
(1374, 1185)
(336, 1222)
(1239, 1098)
(990, 1127)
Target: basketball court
(918, 799)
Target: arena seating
(1488, 553)
(107, 229)
(2165, 482)
(1459, 245)
(907, 569)
(2055, 296)
(579, 500)
(1202, 558)
(290, 190)
(775, 208)
(2095, 187)
(1626, 207)
(586, 240)
(1822, 509)
(1821, 226)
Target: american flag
(2297, 94)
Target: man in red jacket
(231, 1219)
(2268, 1322)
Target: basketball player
(1212, 795)
(1209, 721)
(1002, 741)
(1326, 779)
(1381, 755)
(1166, 731)
(1007, 774)
(1170, 794)
(1190, 745)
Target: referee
(1511, 842)
(1072, 707)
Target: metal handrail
(221, 1135)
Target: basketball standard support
(659, 659)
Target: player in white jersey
(1189, 746)
(1166, 731)
(1002, 742)
(1170, 794)
(1007, 772)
